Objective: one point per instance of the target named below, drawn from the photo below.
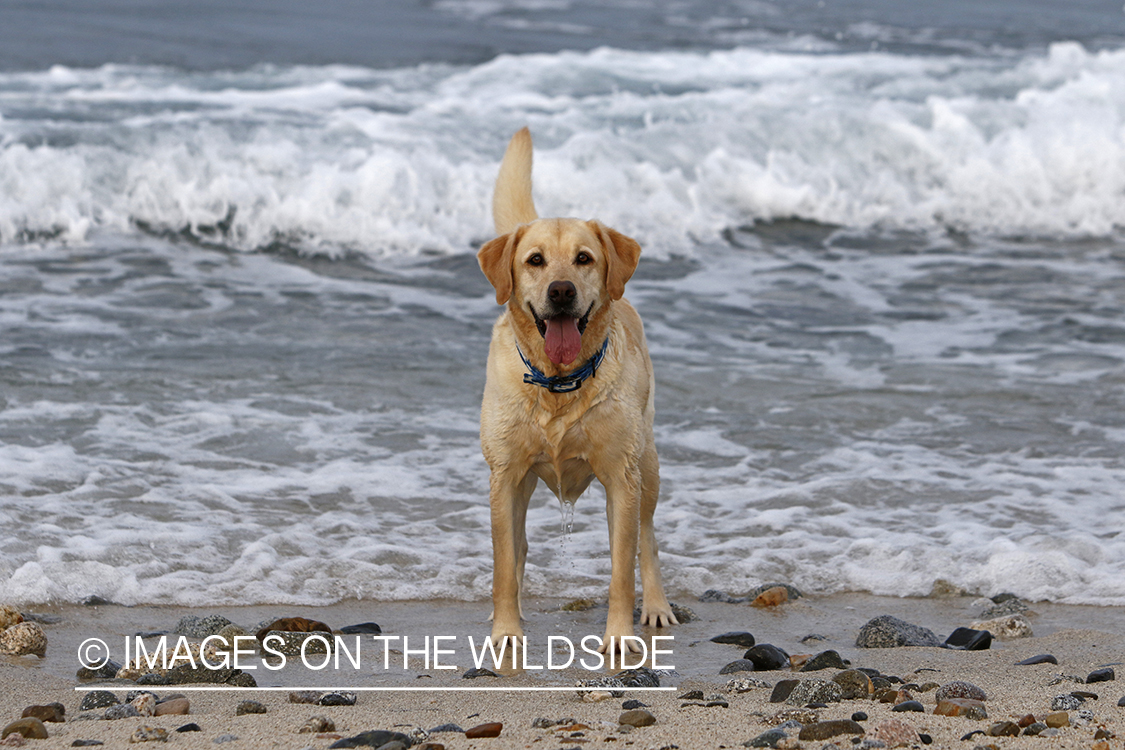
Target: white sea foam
(403, 160)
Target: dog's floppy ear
(495, 258)
(621, 254)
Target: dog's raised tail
(512, 203)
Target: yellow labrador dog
(568, 397)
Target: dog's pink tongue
(562, 341)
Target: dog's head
(560, 272)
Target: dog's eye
(535, 260)
(583, 259)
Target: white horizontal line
(236, 689)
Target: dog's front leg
(623, 496)
(509, 494)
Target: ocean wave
(673, 147)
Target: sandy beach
(1080, 638)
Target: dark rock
(476, 672)
(152, 678)
(1122, 701)
(639, 677)
(106, 672)
(192, 727)
(1083, 695)
(637, 717)
(886, 631)
(967, 707)
(970, 735)
(29, 727)
(1034, 728)
(814, 637)
(132, 695)
(1040, 659)
(633, 703)
(121, 711)
(926, 739)
(317, 725)
(1004, 729)
(337, 698)
(363, 628)
(249, 707)
(376, 738)
(859, 716)
(714, 595)
(960, 689)
(782, 690)
(53, 712)
(735, 638)
(442, 728)
(98, 601)
(185, 674)
(909, 706)
(766, 739)
(97, 699)
(1013, 606)
(823, 730)
(824, 660)
(738, 665)
(767, 657)
(967, 639)
(86, 743)
(1105, 674)
(1004, 597)
(490, 729)
(242, 679)
(692, 695)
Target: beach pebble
(9, 616)
(853, 684)
(291, 642)
(823, 730)
(337, 698)
(107, 671)
(894, 733)
(887, 631)
(363, 628)
(943, 589)
(453, 728)
(814, 691)
(825, 660)
(121, 711)
(1105, 674)
(146, 733)
(192, 727)
(632, 703)
(746, 684)
(249, 707)
(242, 679)
(769, 738)
(1004, 729)
(476, 672)
(1000, 606)
(1057, 719)
(316, 725)
(1006, 628)
(86, 743)
(1034, 728)
(906, 706)
(738, 665)
(1121, 702)
(771, 597)
(637, 717)
(967, 707)
(639, 677)
(145, 703)
(1039, 659)
(735, 638)
(1061, 678)
(859, 716)
(960, 689)
(489, 729)
(782, 690)
(968, 639)
(374, 738)
(304, 696)
(173, 707)
(23, 639)
(792, 592)
(224, 738)
(228, 634)
(28, 727)
(194, 626)
(54, 712)
(714, 595)
(1065, 703)
(767, 657)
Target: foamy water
(244, 334)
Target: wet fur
(603, 430)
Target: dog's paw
(629, 644)
(658, 617)
(513, 636)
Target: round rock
(28, 727)
(887, 631)
(637, 717)
(959, 689)
(767, 657)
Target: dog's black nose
(561, 292)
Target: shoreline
(1082, 638)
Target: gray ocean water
(243, 333)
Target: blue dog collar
(563, 383)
